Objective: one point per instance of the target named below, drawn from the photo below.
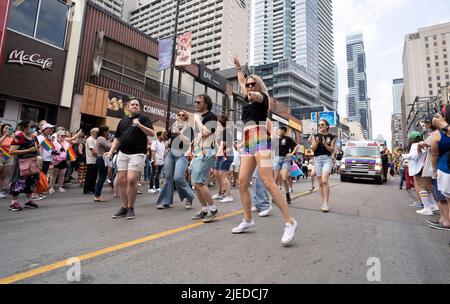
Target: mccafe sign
(22, 58)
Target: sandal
(311, 189)
(100, 200)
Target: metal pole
(172, 65)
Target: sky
(384, 24)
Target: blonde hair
(260, 83)
(186, 116)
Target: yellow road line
(60, 264)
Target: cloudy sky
(384, 24)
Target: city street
(166, 246)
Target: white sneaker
(62, 190)
(266, 212)
(108, 181)
(243, 226)
(217, 197)
(289, 233)
(254, 209)
(2, 195)
(51, 191)
(325, 208)
(425, 212)
(227, 199)
(434, 208)
(158, 190)
(139, 185)
(152, 191)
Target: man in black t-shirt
(131, 140)
(204, 153)
(282, 162)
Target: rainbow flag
(5, 154)
(72, 155)
(48, 145)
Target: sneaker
(108, 181)
(138, 192)
(15, 207)
(425, 212)
(416, 205)
(227, 199)
(266, 212)
(31, 205)
(440, 227)
(2, 195)
(163, 206)
(62, 190)
(121, 213)
(254, 209)
(434, 208)
(288, 198)
(433, 223)
(139, 185)
(325, 208)
(211, 216)
(51, 191)
(187, 204)
(152, 191)
(201, 215)
(158, 190)
(289, 233)
(243, 226)
(130, 214)
(38, 197)
(217, 197)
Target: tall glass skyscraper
(301, 31)
(357, 100)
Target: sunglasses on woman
(250, 85)
(181, 115)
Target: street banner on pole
(4, 11)
(184, 49)
(165, 53)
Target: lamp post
(172, 65)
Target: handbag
(28, 166)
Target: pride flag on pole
(48, 145)
(72, 155)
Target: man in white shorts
(131, 140)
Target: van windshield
(362, 152)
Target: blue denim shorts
(281, 163)
(200, 168)
(438, 196)
(223, 163)
(322, 164)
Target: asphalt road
(366, 221)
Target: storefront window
(32, 113)
(152, 70)
(114, 51)
(2, 108)
(199, 88)
(152, 87)
(22, 17)
(187, 83)
(134, 61)
(45, 20)
(52, 22)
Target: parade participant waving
(257, 153)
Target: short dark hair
(283, 129)
(102, 129)
(24, 124)
(207, 100)
(159, 134)
(326, 122)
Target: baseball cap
(46, 126)
(415, 135)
